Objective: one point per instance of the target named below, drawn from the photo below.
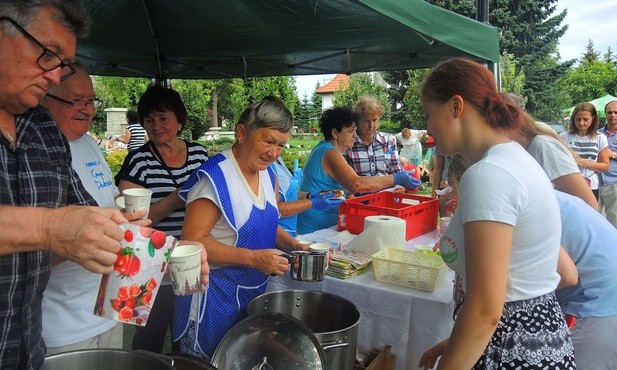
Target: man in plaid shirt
(38, 39)
(374, 153)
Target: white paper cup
(137, 199)
(321, 248)
(120, 202)
(185, 269)
(443, 225)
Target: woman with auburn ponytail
(504, 237)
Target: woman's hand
(270, 262)
(430, 357)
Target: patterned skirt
(532, 334)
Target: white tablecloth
(409, 320)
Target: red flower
(123, 293)
(134, 291)
(125, 314)
(146, 298)
(116, 304)
(131, 303)
(150, 285)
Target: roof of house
(339, 82)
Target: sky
(586, 19)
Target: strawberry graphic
(128, 236)
(128, 263)
(158, 239)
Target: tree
(609, 57)
(307, 113)
(590, 55)
(414, 114)
(195, 95)
(589, 81)
(529, 30)
(361, 84)
(511, 80)
(116, 92)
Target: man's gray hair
(267, 113)
(70, 13)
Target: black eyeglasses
(48, 61)
(78, 103)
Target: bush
(115, 159)
(217, 146)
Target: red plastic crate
(420, 218)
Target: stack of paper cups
(388, 230)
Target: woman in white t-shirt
(504, 237)
(591, 146)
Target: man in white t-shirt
(68, 302)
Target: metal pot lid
(269, 341)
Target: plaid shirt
(379, 158)
(37, 173)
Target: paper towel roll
(390, 230)
(379, 232)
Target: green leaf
(150, 249)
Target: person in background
(68, 302)
(288, 203)
(326, 169)
(608, 179)
(232, 209)
(592, 148)
(373, 153)
(556, 159)
(135, 135)
(504, 238)
(592, 245)
(162, 165)
(411, 146)
(38, 41)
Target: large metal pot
(269, 341)
(307, 265)
(105, 359)
(333, 319)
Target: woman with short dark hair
(161, 165)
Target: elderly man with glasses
(608, 179)
(68, 322)
(38, 39)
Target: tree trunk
(215, 104)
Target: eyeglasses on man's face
(48, 61)
(77, 103)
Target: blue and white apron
(231, 288)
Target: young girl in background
(592, 148)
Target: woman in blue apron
(232, 210)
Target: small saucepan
(307, 265)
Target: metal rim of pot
(104, 359)
(183, 361)
(268, 341)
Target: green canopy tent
(599, 103)
(207, 39)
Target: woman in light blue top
(327, 169)
(591, 242)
